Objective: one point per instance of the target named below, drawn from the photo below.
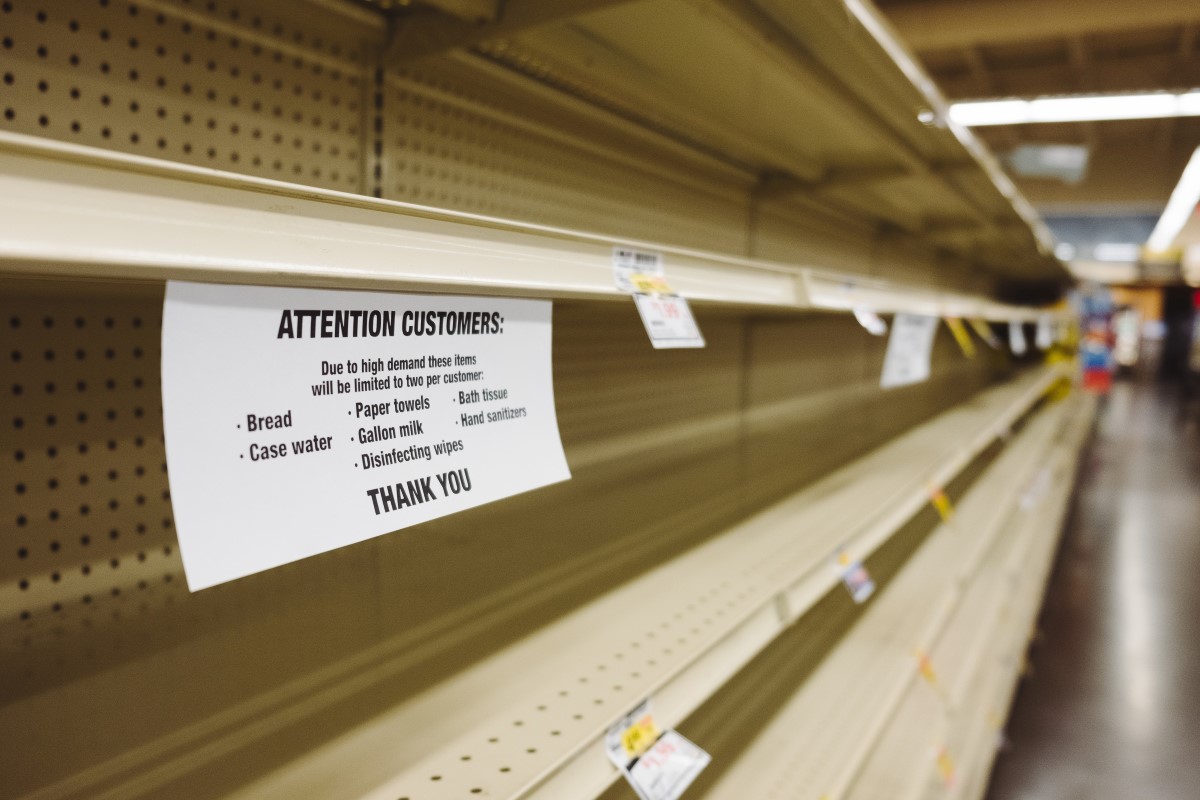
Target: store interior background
(1107, 706)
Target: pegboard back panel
(447, 143)
(112, 672)
(280, 90)
(87, 532)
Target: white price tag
(658, 764)
(909, 349)
(1044, 337)
(871, 321)
(1016, 338)
(300, 420)
(667, 768)
(668, 320)
(858, 582)
(627, 262)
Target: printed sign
(909, 349)
(871, 321)
(627, 262)
(1016, 338)
(299, 420)
(668, 319)
(659, 765)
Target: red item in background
(1097, 380)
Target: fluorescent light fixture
(1064, 251)
(1179, 208)
(1077, 108)
(1117, 252)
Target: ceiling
(983, 49)
(976, 49)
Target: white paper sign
(1044, 336)
(1016, 338)
(871, 321)
(668, 320)
(627, 262)
(298, 421)
(909, 349)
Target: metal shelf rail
(136, 218)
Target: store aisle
(1111, 710)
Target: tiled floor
(1111, 710)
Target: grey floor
(1111, 709)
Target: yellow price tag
(650, 284)
(945, 766)
(984, 331)
(961, 336)
(926, 668)
(638, 737)
(942, 503)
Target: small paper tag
(961, 336)
(631, 736)
(1044, 337)
(658, 764)
(945, 767)
(909, 348)
(627, 262)
(667, 317)
(941, 503)
(1016, 338)
(855, 577)
(985, 332)
(925, 666)
(666, 770)
(871, 321)
(1037, 489)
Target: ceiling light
(1179, 208)
(1064, 251)
(1117, 252)
(1078, 108)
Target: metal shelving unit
(789, 161)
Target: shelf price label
(659, 764)
(910, 346)
(945, 767)
(961, 336)
(855, 577)
(1016, 338)
(298, 421)
(941, 503)
(628, 262)
(984, 331)
(871, 322)
(1044, 336)
(668, 319)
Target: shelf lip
(87, 213)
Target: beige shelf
(979, 655)
(78, 212)
(529, 721)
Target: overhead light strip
(1180, 207)
(1077, 108)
